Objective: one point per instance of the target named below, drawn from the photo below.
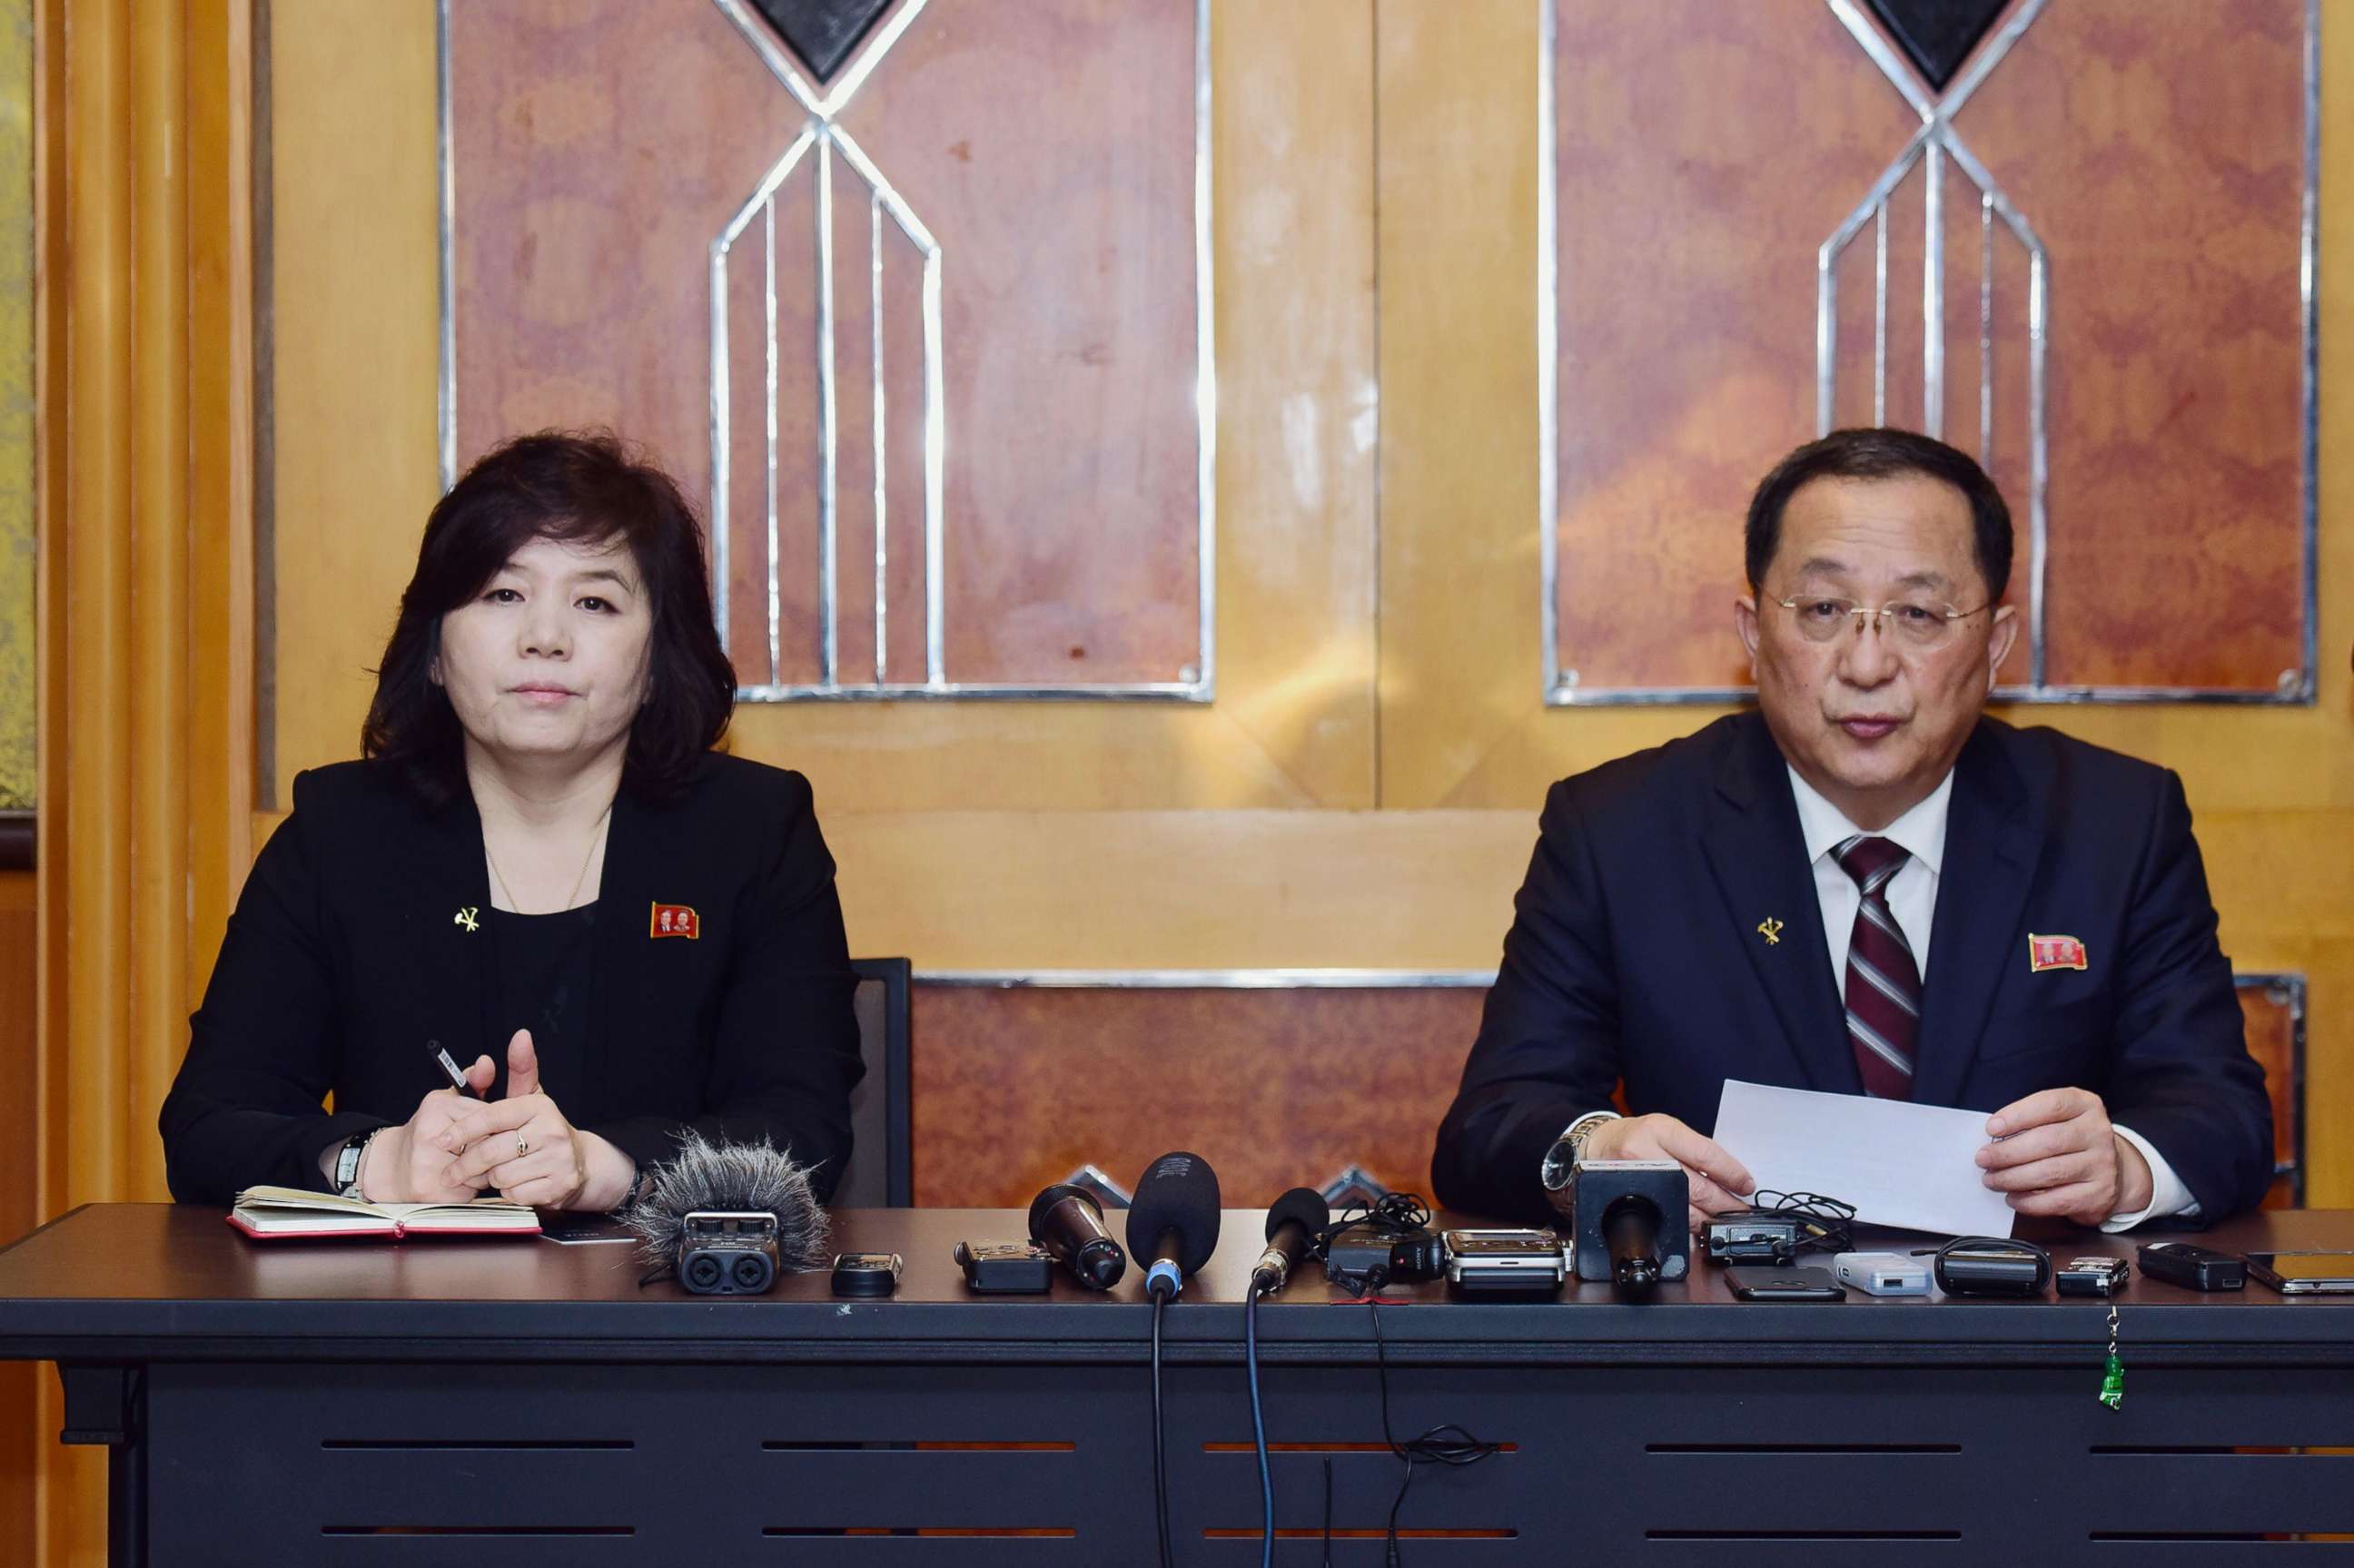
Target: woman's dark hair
(582, 488)
(1883, 453)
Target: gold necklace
(570, 898)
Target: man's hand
(1716, 1177)
(2056, 1154)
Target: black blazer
(347, 953)
(1635, 954)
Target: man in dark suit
(1867, 886)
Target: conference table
(518, 1401)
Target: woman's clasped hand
(522, 1147)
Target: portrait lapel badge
(2054, 953)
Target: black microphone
(1630, 1221)
(1068, 1222)
(1291, 1227)
(725, 1217)
(1630, 1228)
(1174, 1219)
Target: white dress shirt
(1913, 899)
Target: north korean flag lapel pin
(2054, 953)
(674, 920)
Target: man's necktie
(1884, 984)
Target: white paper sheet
(1900, 1164)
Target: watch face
(1559, 1161)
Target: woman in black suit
(541, 866)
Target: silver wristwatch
(1561, 1160)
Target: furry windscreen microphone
(706, 1179)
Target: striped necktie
(1884, 984)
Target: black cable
(1258, 1430)
(1395, 1211)
(1833, 1221)
(1328, 1510)
(1447, 1444)
(1160, 1441)
(1403, 1215)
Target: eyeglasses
(1917, 624)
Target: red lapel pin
(2054, 953)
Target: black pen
(458, 1080)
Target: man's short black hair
(1883, 453)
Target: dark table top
(127, 1282)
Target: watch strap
(1579, 1131)
(1553, 1170)
(347, 1163)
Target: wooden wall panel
(1013, 1087)
(1704, 152)
(2275, 1038)
(1049, 148)
(2160, 153)
(355, 388)
(355, 340)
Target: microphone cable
(1328, 1510)
(1447, 1444)
(1160, 1440)
(1258, 1429)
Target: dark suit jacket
(346, 954)
(1635, 953)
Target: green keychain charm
(2113, 1376)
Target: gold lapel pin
(466, 917)
(1771, 929)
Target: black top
(546, 965)
(365, 930)
(1635, 956)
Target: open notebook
(270, 1213)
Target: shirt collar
(1920, 831)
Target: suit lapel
(1994, 836)
(450, 898)
(625, 899)
(1758, 857)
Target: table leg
(105, 1405)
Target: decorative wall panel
(929, 329)
(1013, 1089)
(2077, 243)
(1277, 1083)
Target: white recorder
(1881, 1273)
